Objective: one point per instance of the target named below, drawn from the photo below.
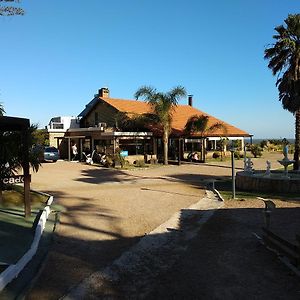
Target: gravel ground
(108, 211)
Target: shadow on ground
(224, 261)
(103, 175)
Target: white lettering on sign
(13, 180)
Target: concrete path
(134, 274)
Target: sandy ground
(108, 211)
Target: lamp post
(232, 150)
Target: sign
(14, 179)
(124, 153)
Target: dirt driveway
(107, 211)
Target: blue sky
(56, 57)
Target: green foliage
(140, 163)
(41, 137)
(136, 122)
(256, 150)
(109, 162)
(118, 159)
(276, 145)
(10, 10)
(284, 61)
(216, 155)
(237, 144)
(237, 154)
(163, 105)
(199, 124)
(2, 111)
(284, 57)
(11, 151)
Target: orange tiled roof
(180, 116)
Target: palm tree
(198, 124)
(163, 105)
(10, 10)
(284, 61)
(12, 156)
(2, 111)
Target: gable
(98, 112)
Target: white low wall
(13, 270)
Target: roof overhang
(126, 133)
(13, 123)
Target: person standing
(74, 151)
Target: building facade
(100, 126)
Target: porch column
(69, 149)
(80, 148)
(26, 173)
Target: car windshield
(51, 149)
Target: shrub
(140, 163)
(237, 155)
(216, 155)
(256, 150)
(109, 161)
(118, 158)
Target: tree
(41, 137)
(198, 124)
(134, 122)
(163, 105)
(11, 153)
(8, 10)
(2, 111)
(284, 61)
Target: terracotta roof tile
(180, 116)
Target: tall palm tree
(284, 61)
(2, 111)
(8, 10)
(198, 124)
(163, 105)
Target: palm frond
(145, 92)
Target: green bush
(140, 163)
(118, 158)
(109, 161)
(216, 155)
(256, 150)
(237, 155)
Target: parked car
(51, 154)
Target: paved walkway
(135, 273)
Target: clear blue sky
(56, 57)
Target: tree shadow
(221, 260)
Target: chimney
(103, 92)
(190, 100)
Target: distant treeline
(272, 141)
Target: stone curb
(14, 270)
